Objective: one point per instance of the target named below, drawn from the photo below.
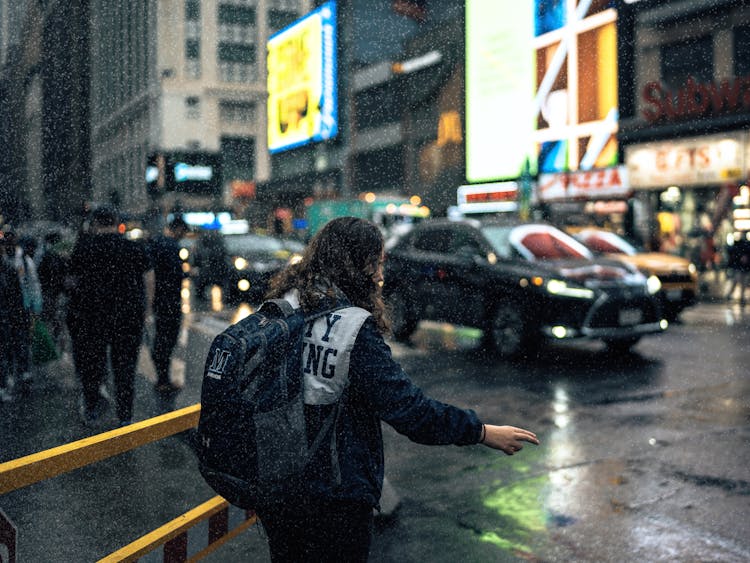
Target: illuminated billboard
(302, 102)
(576, 100)
(500, 84)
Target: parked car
(252, 260)
(678, 276)
(521, 283)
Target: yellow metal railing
(173, 536)
(43, 465)
(40, 466)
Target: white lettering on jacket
(326, 350)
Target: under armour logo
(218, 364)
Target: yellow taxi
(678, 276)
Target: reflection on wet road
(644, 457)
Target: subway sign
(695, 99)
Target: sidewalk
(712, 286)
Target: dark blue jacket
(379, 389)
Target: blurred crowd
(32, 293)
(90, 297)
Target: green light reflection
(521, 510)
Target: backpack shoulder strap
(281, 305)
(287, 309)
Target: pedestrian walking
(19, 254)
(12, 313)
(332, 520)
(106, 312)
(210, 259)
(53, 271)
(739, 263)
(167, 307)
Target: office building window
(279, 18)
(193, 58)
(237, 41)
(281, 13)
(192, 30)
(692, 58)
(192, 107)
(193, 49)
(193, 68)
(237, 72)
(236, 112)
(237, 33)
(192, 38)
(234, 14)
(192, 10)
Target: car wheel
(403, 322)
(622, 346)
(507, 332)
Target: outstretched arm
(506, 438)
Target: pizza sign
(605, 183)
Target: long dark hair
(344, 252)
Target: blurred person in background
(211, 259)
(739, 263)
(167, 307)
(53, 271)
(106, 312)
(19, 252)
(12, 314)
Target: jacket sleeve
(383, 385)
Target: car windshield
(534, 242)
(293, 245)
(605, 242)
(253, 244)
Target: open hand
(507, 438)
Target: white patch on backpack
(326, 349)
(218, 364)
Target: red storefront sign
(605, 183)
(696, 99)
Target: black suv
(520, 282)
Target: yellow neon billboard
(302, 103)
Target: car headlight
(692, 269)
(240, 263)
(653, 284)
(559, 287)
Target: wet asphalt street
(644, 457)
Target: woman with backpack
(332, 519)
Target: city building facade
(178, 100)
(44, 109)
(685, 120)
(400, 112)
